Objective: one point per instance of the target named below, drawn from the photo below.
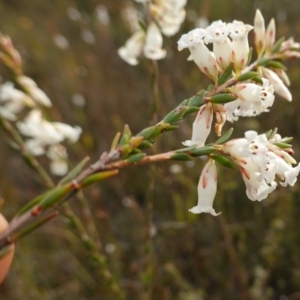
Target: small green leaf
(31, 204)
(282, 145)
(205, 150)
(222, 98)
(171, 127)
(196, 100)
(145, 145)
(263, 61)
(247, 76)
(273, 133)
(73, 173)
(268, 134)
(225, 136)
(210, 88)
(186, 149)
(135, 157)
(276, 65)
(226, 74)
(277, 45)
(127, 130)
(175, 115)
(99, 177)
(181, 156)
(286, 140)
(115, 141)
(55, 195)
(190, 110)
(142, 25)
(146, 132)
(257, 79)
(158, 129)
(249, 55)
(224, 161)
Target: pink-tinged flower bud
(153, 44)
(270, 35)
(283, 76)
(133, 48)
(217, 33)
(6, 260)
(207, 189)
(240, 46)
(289, 44)
(277, 83)
(201, 126)
(259, 33)
(203, 58)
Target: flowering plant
(240, 88)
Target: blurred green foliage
(250, 251)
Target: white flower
(259, 32)
(217, 33)
(252, 100)
(240, 46)
(256, 189)
(133, 48)
(12, 101)
(70, 133)
(58, 156)
(153, 43)
(277, 83)
(44, 133)
(207, 188)
(203, 58)
(201, 126)
(169, 14)
(36, 93)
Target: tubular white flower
(133, 48)
(252, 100)
(270, 35)
(201, 126)
(207, 189)
(259, 32)
(70, 133)
(217, 33)
(256, 189)
(203, 58)
(12, 101)
(58, 156)
(34, 91)
(240, 46)
(153, 43)
(169, 14)
(277, 83)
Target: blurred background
(250, 251)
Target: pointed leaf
(73, 173)
(222, 98)
(257, 79)
(196, 100)
(247, 76)
(283, 145)
(224, 161)
(145, 145)
(135, 157)
(226, 75)
(276, 65)
(99, 177)
(115, 141)
(186, 149)
(225, 136)
(181, 156)
(277, 45)
(205, 150)
(263, 61)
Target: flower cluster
(250, 91)
(260, 161)
(44, 137)
(166, 17)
